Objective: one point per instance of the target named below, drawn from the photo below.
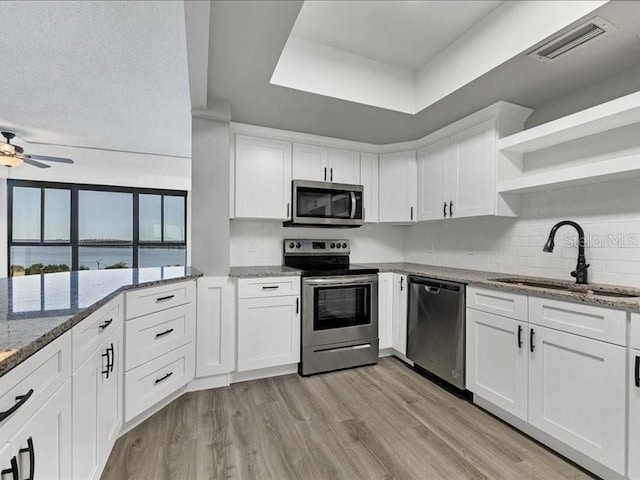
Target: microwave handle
(354, 201)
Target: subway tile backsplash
(609, 213)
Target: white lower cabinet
(42, 447)
(577, 393)
(634, 413)
(385, 310)
(497, 360)
(400, 304)
(268, 332)
(97, 407)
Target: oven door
(339, 309)
(321, 203)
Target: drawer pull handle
(271, 287)
(13, 470)
(162, 334)
(637, 371)
(105, 324)
(164, 299)
(32, 457)
(162, 379)
(20, 400)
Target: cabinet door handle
(20, 400)
(162, 379)
(411, 213)
(450, 209)
(325, 174)
(162, 334)
(32, 457)
(164, 299)
(297, 305)
(331, 174)
(444, 210)
(107, 369)
(531, 345)
(112, 359)
(271, 287)
(519, 336)
(401, 283)
(637, 371)
(105, 324)
(13, 470)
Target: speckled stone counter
(36, 309)
(263, 271)
(488, 280)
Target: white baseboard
(208, 383)
(264, 373)
(386, 352)
(554, 444)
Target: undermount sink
(585, 289)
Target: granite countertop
(36, 309)
(263, 271)
(488, 280)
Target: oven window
(322, 203)
(339, 307)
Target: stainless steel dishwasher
(436, 328)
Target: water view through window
(63, 227)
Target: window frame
(74, 242)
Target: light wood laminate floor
(378, 422)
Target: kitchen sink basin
(585, 289)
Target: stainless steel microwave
(325, 204)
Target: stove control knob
(337, 245)
(291, 245)
(298, 245)
(344, 245)
(333, 245)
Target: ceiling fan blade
(51, 159)
(30, 161)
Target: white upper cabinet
(322, 164)
(457, 175)
(471, 172)
(369, 180)
(398, 187)
(344, 166)
(432, 195)
(310, 162)
(262, 178)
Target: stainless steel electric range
(339, 306)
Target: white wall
(370, 243)
(609, 213)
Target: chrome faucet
(580, 273)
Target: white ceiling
(247, 39)
(109, 75)
(402, 33)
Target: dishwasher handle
(434, 286)
(429, 289)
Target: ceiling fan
(13, 155)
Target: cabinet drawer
(152, 382)
(586, 320)
(151, 336)
(507, 304)
(41, 374)
(151, 300)
(635, 330)
(91, 332)
(268, 287)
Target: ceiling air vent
(594, 28)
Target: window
(60, 227)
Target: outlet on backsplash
(252, 247)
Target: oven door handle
(338, 281)
(353, 205)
